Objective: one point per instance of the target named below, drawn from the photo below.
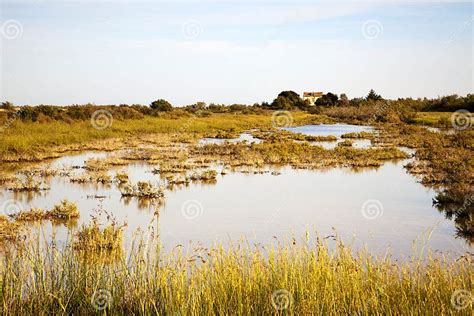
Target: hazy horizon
(113, 52)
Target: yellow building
(311, 97)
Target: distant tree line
(285, 100)
(160, 107)
(289, 100)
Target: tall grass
(290, 278)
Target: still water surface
(329, 129)
(381, 208)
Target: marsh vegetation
(153, 156)
(299, 276)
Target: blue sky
(112, 52)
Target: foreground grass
(295, 279)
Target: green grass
(438, 119)
(28, 141)
(292, 278)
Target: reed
(92, 239)
(299, 278)
(9, 230)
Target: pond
(381, 208)
(313, 130)
(334, 130)
(329, 129)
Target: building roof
(312, 94)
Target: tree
(329, 99)
(161, 105)
(266, 105)
(343, 100)
(292, 96)
(373, 96)
(28, 113)
(200, 105)
(282, 103)
(237, 107)
(288, 100)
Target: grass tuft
(65, 210)
(91, 238)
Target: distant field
(27, 138)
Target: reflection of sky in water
(76, 160)
(262, 206)
(329, 129)
(313, 130)
(334, 130)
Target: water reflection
(460, 208)
(260, 205)
(329, 129)
(334, 130)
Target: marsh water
(383, 209)
(329, 129)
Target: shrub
(161, 105)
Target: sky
(133, 52)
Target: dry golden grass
(365, 135)
(63, 211)
(288, 152)
(91, 239)
(9, 231)
(143, 190)
(299, 278)
(27, 184)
